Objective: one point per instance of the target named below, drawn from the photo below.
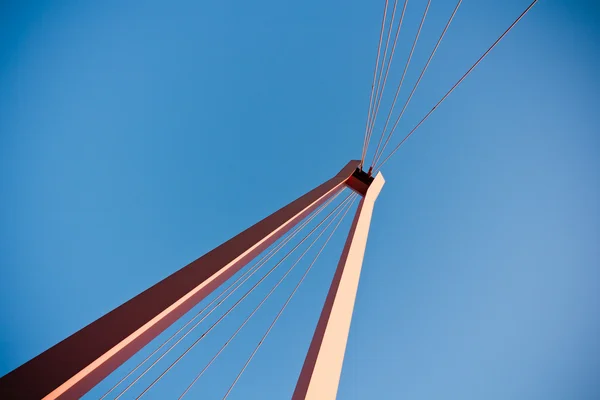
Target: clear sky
(136, 136)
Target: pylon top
(359, 181)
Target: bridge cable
(414, 45)
(254, 268)
(242, 298)
(379, 78)
(379, 96)
(373, 84)
(285, 304)
(376, 155)
(457, 83)
(267, 296)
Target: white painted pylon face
(322, 368)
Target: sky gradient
(137, 136)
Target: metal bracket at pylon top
(359, 181)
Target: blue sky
(136, 137)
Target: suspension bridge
(224, 279)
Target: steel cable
(241, 299)
(387, 70)
(224, 346)
(376, 156)
(285, 305)
(254, 268)
(373, 84)
(414, 45)
(378, 82)
(456, 84)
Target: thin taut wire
(458, 83)
(208, 314)
(284, 305)
(362, 159)
(241, 299)
(256, 266)
(378, 99)
(201, 320)
(412, 50)
(377, 156)
(224, 346)
(378, 86)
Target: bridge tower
(72, 367)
